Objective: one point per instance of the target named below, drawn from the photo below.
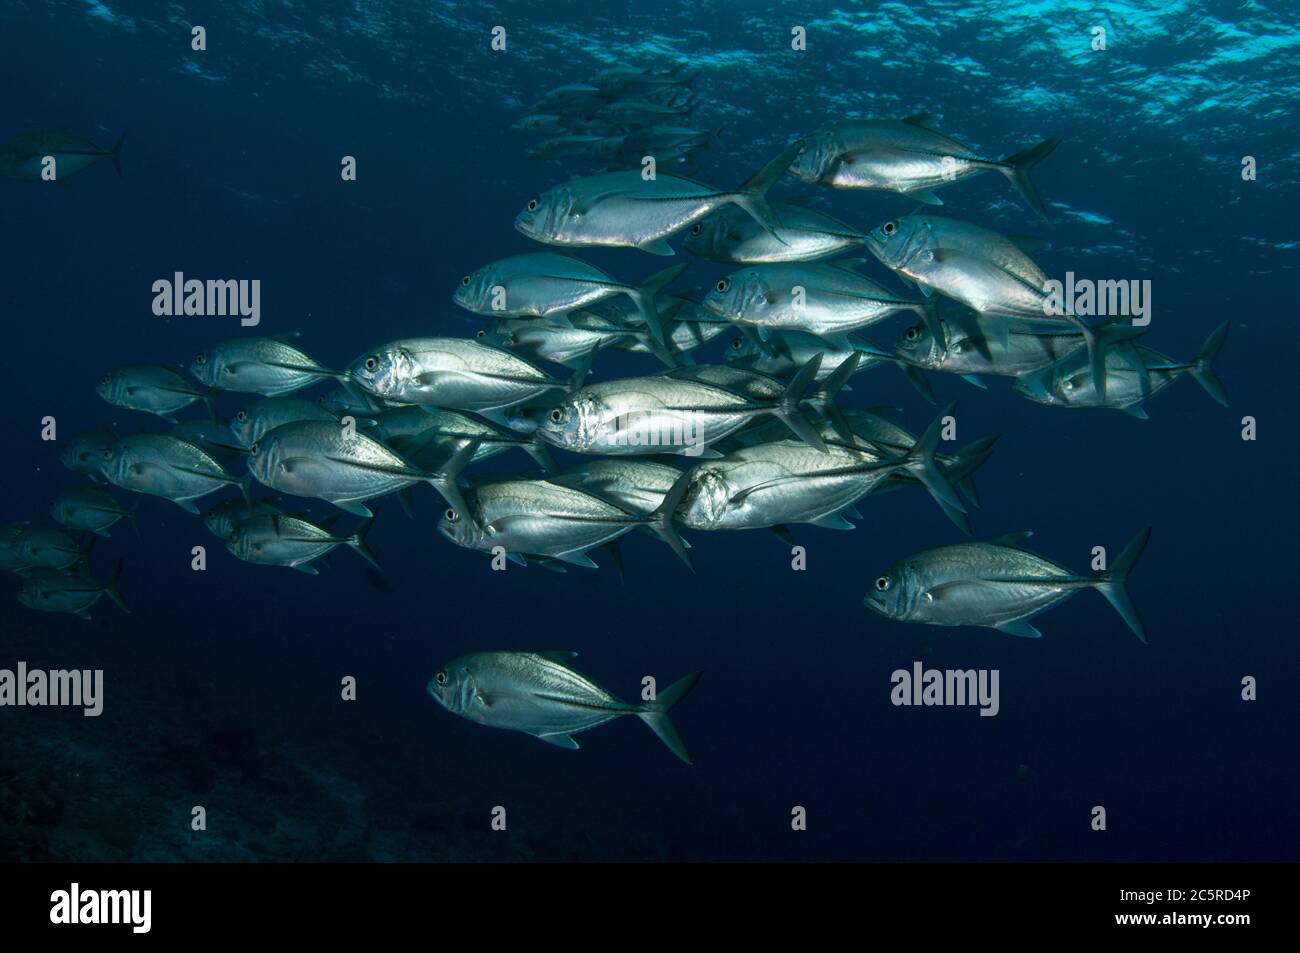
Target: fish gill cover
(410, 369)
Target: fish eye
(371, 363)
(241, 415)
(480, 333)
(532, 205)
(202, 358)
(736, 344)
(108, 453)
(253, 450)
(723, 285)
(465, 280)
(557, 415)
(882, 583)
(912, 333)
(1068, 383)
(452, 516)
(696, 228)
(441, 678)
(889, 228)
(103, 381)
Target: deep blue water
(222, 686)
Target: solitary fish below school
(538, 694)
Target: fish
(48, 590)
(291, 541)
(222, 518)
(538, 518)
(213, 435)
(326, 461)
(543, 284)
(11, 557)
(539, 123)
(730, 235)
(996, 584)
(908, 156)
(538, 694)
(85, 451)
(347, 400)
(451, 372)
(542, 518)
(430, 436)
(152, 388)
(249, 424)
(1134, 373)
(22, 158)
(784, 482)
(666, 414)
(567, 340)
(88, 509)
(783, 353)
(269, 366)
(634, 484)
(623, 210)
(830, 300)
(981, 269)
(44, 547)
(569, 97)
(166, 466)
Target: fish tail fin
(661, 520)
(1111, 584)
(580, 375)
(116, 153)
(655, 714)
(1016, 168)
(1200, 367)
(358, 542)
(967, 460)
(831, 387)
(444, 480)
(245, 484)
(1096, 346)
(752, 194)
(919, 462)
(110, 588)
(789, 411)
(643, 295)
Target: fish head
(574, 424)
(917, 345)
(708, 498)
(30, 594)
(895, 594)
(461, 528)
(742, 351)
(498, 333)
(527, 418)
(264, 458)
(454, 686)
(898, 242)
(243, 424)
(206, 367)
(384, 372)
(545, 217)
(743, 295)
(85, 452)
(714, 237)
(239, 542)
(111, 387)
(817, 158)
(477, 290)
(219, 521)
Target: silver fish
(638, 486)
(541, 518)
(430, 436)
(803, 235)
(908, 156)
(450, 372)
(292, 541)
(538, 694)
(152, 388)
(249, 424)
(544, 284)
(668, 414)
(44, 547)
(226, 515)
(269, 366)
(85, 452)
(88, 509)
(326, 461)
(830, 300)
(48, 590)
(11, 558)
(23, 157)
(784, 482)
(166, 466)
(623, 210)
(997, 584)
(1134, 373)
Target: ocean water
(222, 687)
